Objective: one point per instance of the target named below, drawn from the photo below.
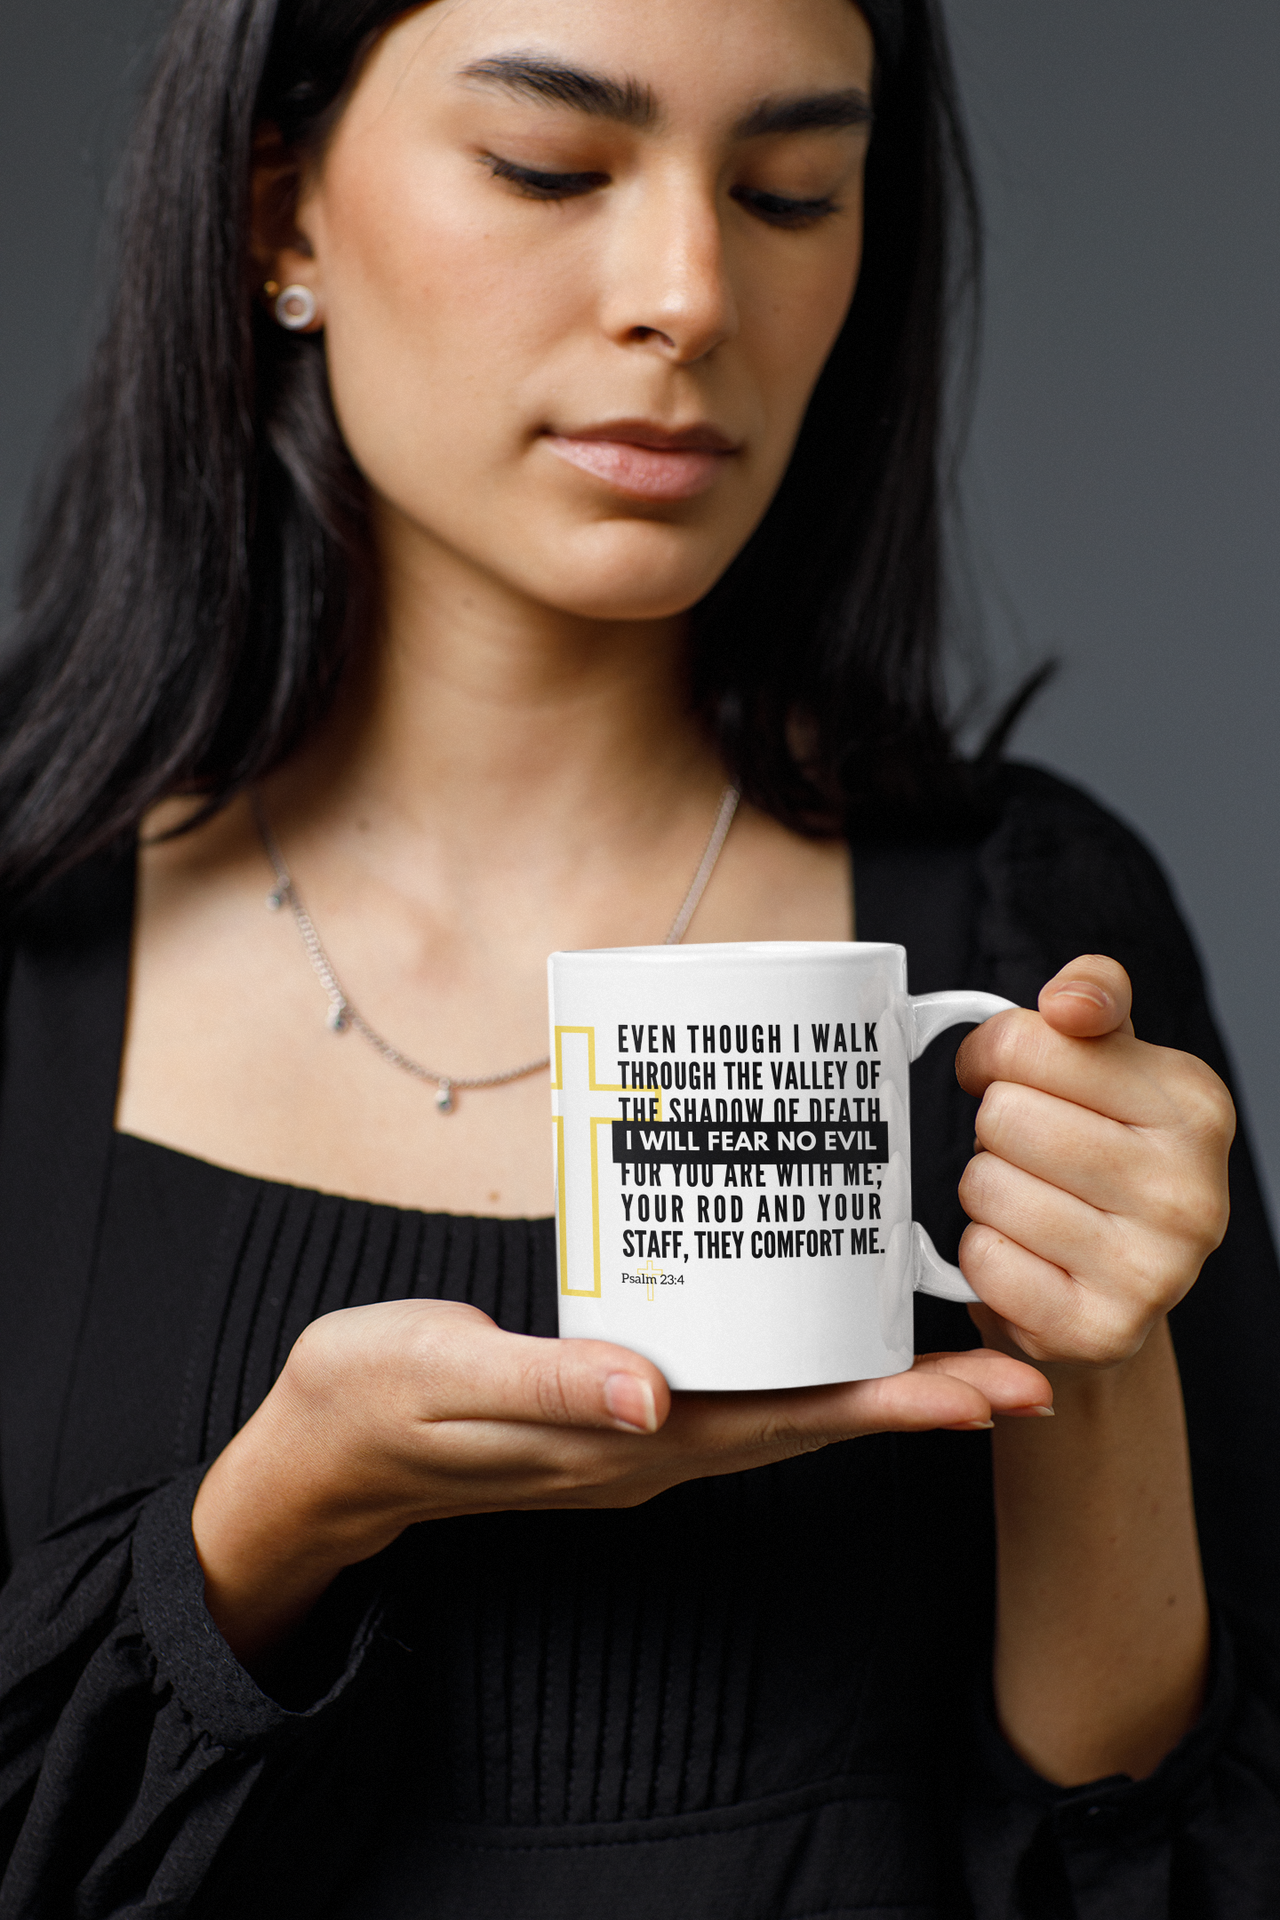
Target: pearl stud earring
(295, 308)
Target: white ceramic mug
(733, 1157)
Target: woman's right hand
(416, 1410)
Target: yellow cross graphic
(581, 1105)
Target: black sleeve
(130, 1737)
(1201, 1836)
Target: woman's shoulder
(1022, 874)
(1057, 852)
(1039, 813)
(64, 978)
(1060, 875)
(88, 906)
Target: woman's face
(580, 263)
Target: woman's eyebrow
(594, 93)
(806, 113)
(633, 104)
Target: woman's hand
(1100, 1188)
(1101, 1182)
(418, 1410)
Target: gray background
(1122, 485)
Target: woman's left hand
(1100, 1184)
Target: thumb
(466, 1368)
(1091, 996)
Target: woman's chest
(232, 1052)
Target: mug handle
(929, 1014)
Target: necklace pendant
(342, 1016)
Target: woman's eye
(536, 185)
(781, 211)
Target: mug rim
(737, 952)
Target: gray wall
(1124, 479)
(1123, 484)
(68, 74)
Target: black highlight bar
(751, 1142)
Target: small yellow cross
(581, 1105)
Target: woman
(517, 424)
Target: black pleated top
(759, 1697)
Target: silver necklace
(343, 1015)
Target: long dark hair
(197, 568)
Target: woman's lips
(647, 469)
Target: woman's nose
(668, 287)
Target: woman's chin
(620, 607)
(609, 574)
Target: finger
(1082, 1240)
(1101, 1161)
(1166, 1182)
(716, 1433)
(922, 1401)
(1141, 1267)
(1047, 1313)
(488, 1464)
(1010, 1385)
(1172, 1183)
(1091, 996)
(940, 1390)
(960, 1392)
(1115, 1075)
(466, 1368)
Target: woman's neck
(478, 716)
(492, 784)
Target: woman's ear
(284, 262)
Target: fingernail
(1081, 990)
(630, 1403)
(975, 1426)
(1043, 1413)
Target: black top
(759, 1697)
